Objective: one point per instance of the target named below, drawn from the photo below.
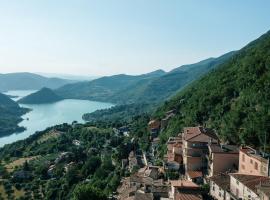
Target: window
(243, 157)
(251, 161)
(243, 166)
(256, 166)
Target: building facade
(251, 162)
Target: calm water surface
(46, 115)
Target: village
(197, 166)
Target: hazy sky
(102, 37)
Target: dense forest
(69, 161)
(10, 115)
(233, 99)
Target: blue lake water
(46, 115)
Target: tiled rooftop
(194, 174)
(250, 181)
(187, 196)
(192, 133)
(184, 184)
(216, 148)
(222, 180)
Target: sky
(106, 37)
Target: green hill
(10, 115)
(163, 87)
(104, 88)
(146, 94)
(45, 95)
(153, 87)
(233, 99)
(29, 81)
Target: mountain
(104, 88)
(29, 81)
(10, 115)
(233, 99)
(45, 95)
(153, 87)
(163, 87)
(68, 76)
(145, 95)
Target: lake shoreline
(42, 116)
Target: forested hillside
(163, 87)
(233, 99)
(104, 88)
(10, 115)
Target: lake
(46, 115)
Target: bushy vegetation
(10, 115)
(82, 161)
(119, 113)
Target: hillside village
(198, 165)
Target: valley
(156, 146)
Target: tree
(91, 165)
(88, 192)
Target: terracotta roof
(222, 180)
(184, 184)
(250, 181)
(216, 148)
(187, 196)
(193, 160)
(186, 190)
(198, 134)
(265, 188)
(194, 174)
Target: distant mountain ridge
(153, 87)
(45, 95)
(104, 88)
(165, 86)
(29, 81)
